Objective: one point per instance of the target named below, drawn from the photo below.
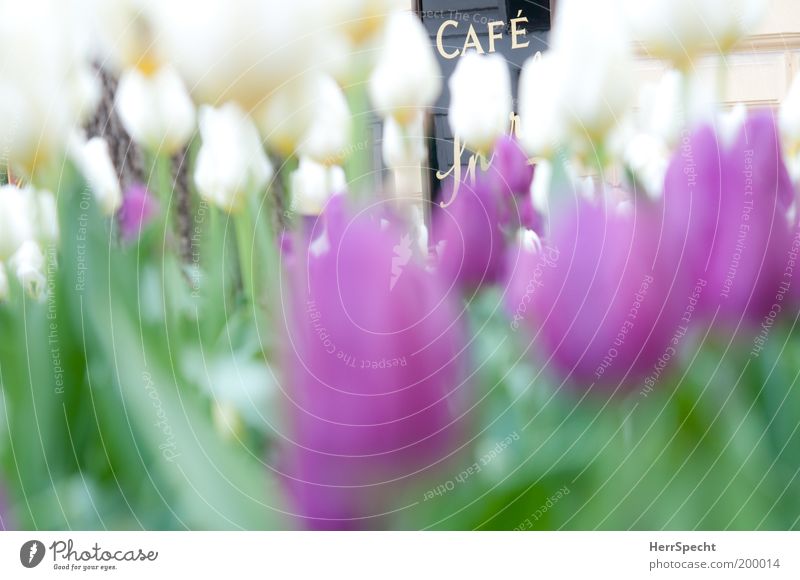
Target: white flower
(648, 158)
(680, 30)
(4, 289)
(231, 163)
(94, 162)
(733, 19)
(285, 118)
(238, 51)
(329, 134)
(596, 63)
(359, 20)
(540, 187)
(661, 108)
(403, 145)
(156, 109)
(17, 219)
(789, 121)
(480, 100)
(542, 127)
(46, 83)
(126, 33)
(529, 241)
(730, 124)
(47, 212)
(313, 184)
(28, 265)
(407, 77)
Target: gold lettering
(516, 32)
(493, 35)
(440, 42)
(472, 41)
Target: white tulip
(313, 184)
(28, 265)
(542, 127)
(680, 30)
(4, 288)
(480, 100)
(789, 121)
(529, 241)
(156, 109)
(46, 84)
(594, 53)
(285, 118)
(231, 162)
(329, 134)
(404, 145)
(238, 51)
(648, 158)
(17, 219)
(733, 19)
(540, 187)
(407, 77)
(126, 33)
(93, 159)
(47, 211)
(730, 124)
(359, 20)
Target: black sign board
(516, 29)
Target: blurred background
(133, 398)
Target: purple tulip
(509, 170)
(470, 237)
(375, 375)
(729, 206)
(138, 209)
(472, 232)
(603, 298)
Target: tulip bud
(313, 184)
(28, 265)
(734, 19)
(790, 129)
(231, 162)
(407, 77)
(47, 211)
(359, 20)
(94, 161)
(542, 128)
(480, 100)
(156, 110)
(596, 66)
(680, 30)
(16, 219)
(47, 86)
(4, 290)
(287, 115)
(329, 134)
(403, 145)
(138, 208)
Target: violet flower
(473, 231)
(138, 209)
(509, 170)
(469, 236)
(729, 206)
(375, 371)
(603, 298)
